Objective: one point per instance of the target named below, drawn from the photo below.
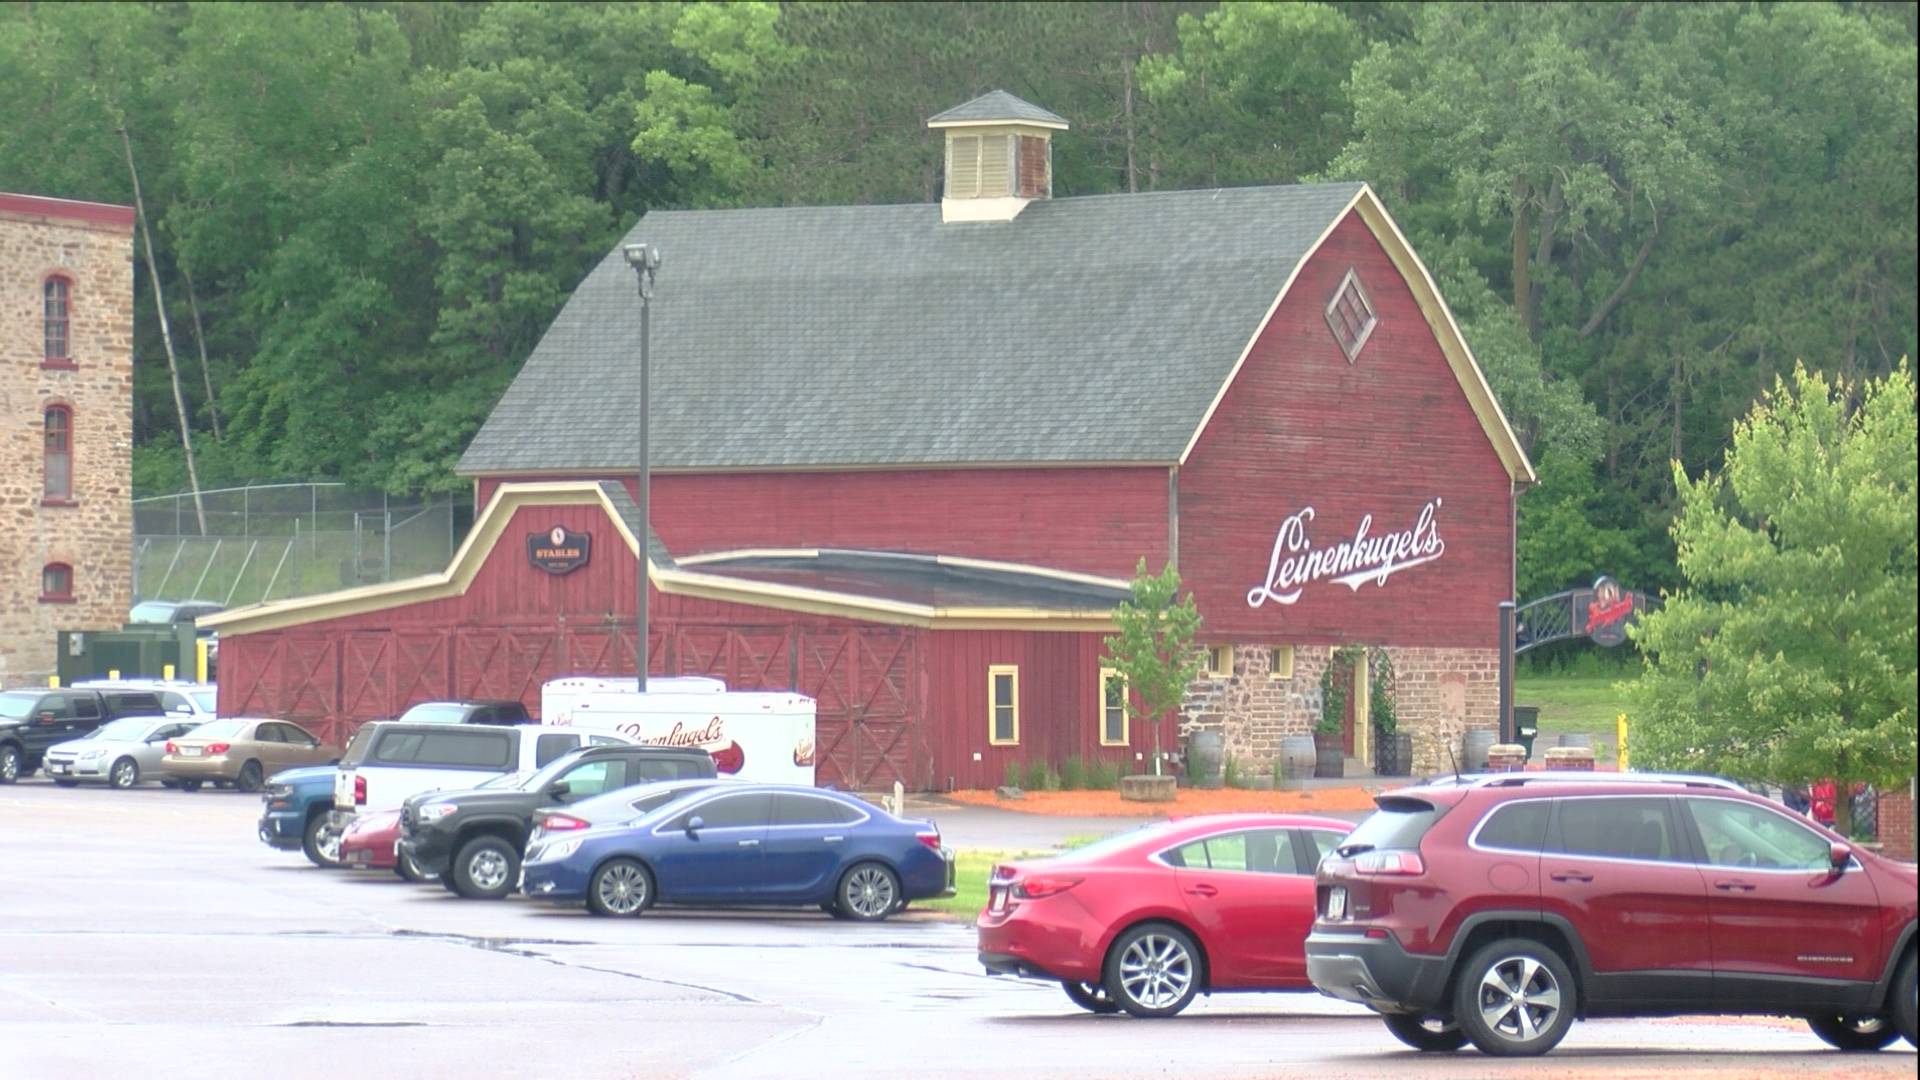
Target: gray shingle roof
(629, 511)
(1087, 329)
(996, 105)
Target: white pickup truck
(388, 761)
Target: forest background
(364, 215)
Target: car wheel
(125, 774)
(867, 892)
(321, 841)
(1515, 999)
(250, 778)
(170, 784)
(1431, 1034)
(65, 783)
(1905, 998)
(9, 764)
(1153, 970)
(410, 869)
(487, 868)
(620, 887)
(1090, 996)
(1853, 1032)
(190, 785)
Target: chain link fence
(274, 541)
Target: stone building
(66, 425)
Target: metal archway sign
(1601, 613)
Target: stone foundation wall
(92, 532)
(1441, 694)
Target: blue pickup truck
(298, 814)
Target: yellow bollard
(1620, 732)
(53, 682)
(113, 673)
(166, 672)
(200, 660)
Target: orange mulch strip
(1186, 801)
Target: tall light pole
(645, 261)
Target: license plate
(61, 769)
(997, 898)
(189, 751)
(1337, 902)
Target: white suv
(388, 761)
(193, 701)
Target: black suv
(32, 720)
(467, 712)
(474, 839)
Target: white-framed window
(1113, 709)
(1003, 705)
(1280, 662)
(1350, 315)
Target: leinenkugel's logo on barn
(559, 550)
(1297, 562)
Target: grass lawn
(1587, 703)
(971, 868)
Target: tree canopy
(1789, 655)
(365, 214)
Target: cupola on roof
(999, 157)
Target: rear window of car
(219, 729)
(434, 714)
(1397, 825)
(457, 749)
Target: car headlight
(93, 755)
(425, 814)
(556, 851)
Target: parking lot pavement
(149, 933)
(993, 829)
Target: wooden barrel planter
(1296, 757)
(1329, 755)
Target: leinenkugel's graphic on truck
(764, 737)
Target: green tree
(1789, 656)
(1154, 649)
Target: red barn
(905, 459)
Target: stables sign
(559, 550)
(1299, 559)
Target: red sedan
(1145, 920)
(370, 841)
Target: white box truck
(764, 737)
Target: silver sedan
(120, 753)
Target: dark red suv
(1496, 910)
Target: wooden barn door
(867, 684)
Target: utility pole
(645, 261)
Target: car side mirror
(560, 789)
(1839, 853)
(695, 824)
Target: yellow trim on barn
(508, 498)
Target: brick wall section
(1896, 825)
(95, 534)
(1441, 694)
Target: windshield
(206, 699)
(128, 729)
(153, 611)
(544, 775)
(434, 714)
(17, 706)
(219, 729)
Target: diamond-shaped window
(1350, 316)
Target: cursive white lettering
(1352, 563)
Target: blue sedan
(748, 844)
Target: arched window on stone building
(58, 296)
(56, 583)
(59, 453)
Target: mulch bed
(1186, 801)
